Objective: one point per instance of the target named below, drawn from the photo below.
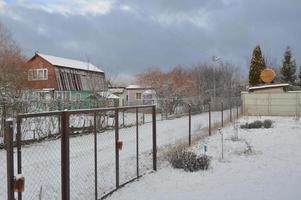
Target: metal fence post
(9, 143)
(209, 119)
(116, 146)
(19, 152)
(222, 114)
(95, 155)
(237, 111)
(123, 118)
(65, 162)
(137, 143)
(230, 111)
(154, 139)
(189, 125)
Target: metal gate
(80, 154)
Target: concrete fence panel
(276, 104)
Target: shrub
(267, 123)
(256, 124)
(189, 161)
(246, 125)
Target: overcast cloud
(129, 36)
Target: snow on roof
(149, 92)
(133, 87)
(137, 87)
(108, 95)
(268, 86)
(70, 63)
(116, 90)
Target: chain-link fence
(40, 159)
(103, 149)
(192, 120)
(3, 175)
(82, 154)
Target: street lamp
(215, 59)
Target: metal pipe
(9, 144)
(154, 139)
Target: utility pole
(215, 59)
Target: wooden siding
(72, 79)
(61, 78)
(38, 63)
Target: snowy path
(273, 172)
(41, 162)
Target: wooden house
(63, 78)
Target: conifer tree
(257, 65)
(299, 76)
(288, 68)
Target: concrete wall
(270, 90)
(272, 104)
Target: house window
(45, 74)
(38, 74)
(35, 75)
(30, 74)
(138, 96)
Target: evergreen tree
(288, 68)
(299, 76)
(257, 65)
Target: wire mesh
(41, 150)
(145, 141)
(106, 163)
(81, 146)
(41, 157)
(128, 153)
(3, 174)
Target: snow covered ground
(41, 161)
(271, 171)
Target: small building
(112, 100)
(139, 95)
(56, 83)
(120, 92)
(62, 79)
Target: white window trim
(35, 74)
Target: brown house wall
(38, 63)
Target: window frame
(136, 95)
(30, 74)
(38, 74)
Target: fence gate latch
(119, 145)
(19, 183)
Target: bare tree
(171, 87)
(12, 74)
(226, 78)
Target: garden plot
(270, 170)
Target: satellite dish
(267, 75)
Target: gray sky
(127, 37)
